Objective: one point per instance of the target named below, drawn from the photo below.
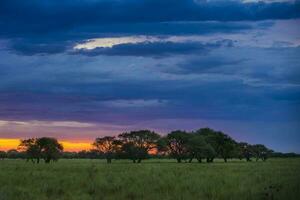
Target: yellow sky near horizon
(7, 143)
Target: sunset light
(7, 144)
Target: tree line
(35, 149)
(202, 145)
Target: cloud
(231, 84)
(65, 124)
(259, 34)
(47, 27)
(82, 97)
(134, 103)
(205, 65)
(63, 130)
(266, 1)
(111, 42)
(60, 42)
(50, 28)
(154, 49)
(30, 48)
(46, 15)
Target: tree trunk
(47, 160)
(139, 160)
(199, 160)
(37, 160)
(133, 161)
(225, 160)
(179, 160)
(108, 160)
(191, 159)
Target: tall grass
(153, 179)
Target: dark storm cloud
(237, 85)
(48, 27)
(86, 103)
(31, 48)
(47, 16)
(256, 64)
(58, 42)
(61, 42)
(189, 100)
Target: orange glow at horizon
(6, 144)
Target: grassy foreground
(152, 179)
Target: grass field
(152, 179)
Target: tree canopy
(41, 148)
(136, 145)
(202, 144)
(106, 146)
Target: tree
(136, 145)
(50, 148)
(209, 153)
(41, 148)
(199, 149)
(91, 154)
(106, 146)
(13, 153)
(222, 143)
(260, 151)
(3, 155)
(162, 147)
(244, 150)
(177, 142)
(31, 149)
(69, 155)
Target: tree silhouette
(50, 148)
(185, 146)
(198, 148)
(106, 146)
(260, 151)
(178, 145)
(244, 150)
(222, 143)
(41, 148)
(13, 153)
(3, 155)
(136, 145)
(162, 147)
(31, 148)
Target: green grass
(152, 179)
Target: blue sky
(78, 69)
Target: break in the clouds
(81, 69)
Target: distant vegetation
(202, 145)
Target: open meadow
(83, 179)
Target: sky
(81, 69)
